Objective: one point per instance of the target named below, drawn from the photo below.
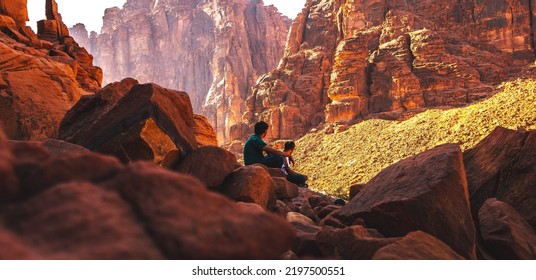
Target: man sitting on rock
(292, 176)
(255, 146)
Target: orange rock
(15, 9)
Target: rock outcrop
(503, 166)
(410, 194)
(214, 50)
(134, 122)
(506, 234)
(42, 75)
(417, 245)
(347, 60)
(81, 205)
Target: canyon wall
(214, 50)
(41, 75)
(346, 60)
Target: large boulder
(503, 166)
(426, 192)
(187, 221)
(210, 164)
(285, 189)
(136, 122)
(89, 167)
(80, 221)
(505, 233)
(417, 245)
(304, 244)
(356, 242)
(251, 183)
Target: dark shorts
(272, 161)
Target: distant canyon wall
(348, 59)
(214, 50)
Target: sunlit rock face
(41, 75)
(348, 59)
(214, 50)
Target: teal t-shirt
(253, 150)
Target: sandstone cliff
(41, 75)
(214, 50)
(348, 59)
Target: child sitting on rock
(294, 177)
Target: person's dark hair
(289, 145)
(261, 127)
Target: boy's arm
(276, 152)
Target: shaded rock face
(427, 192)
(98, 208)
(417, 245)
(42, 75)
(506, 234)
(251, 184)
(214, 50)
(345, 60)
(503, 166)
(354, 242)
(135, 122)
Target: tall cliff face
(214, 50)
(348, 59)
(41, 75)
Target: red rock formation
(425, 192)
(417, 245)
(214, 50)
(503, 166)
(42, 75)
(251, 184)
(506, 234)
(135, 122)
(354, 242)
(347, 59)
(209, 160)
(16, 9)
(81, 205)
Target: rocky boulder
(209, 164)
(426, 192)
(251, 183)
(133, 122)
(417, 245)
(65, 168)
(79, 220)
(222, 230)
(90, 206)
(356, 242)
(506, 234)
(503, 166)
